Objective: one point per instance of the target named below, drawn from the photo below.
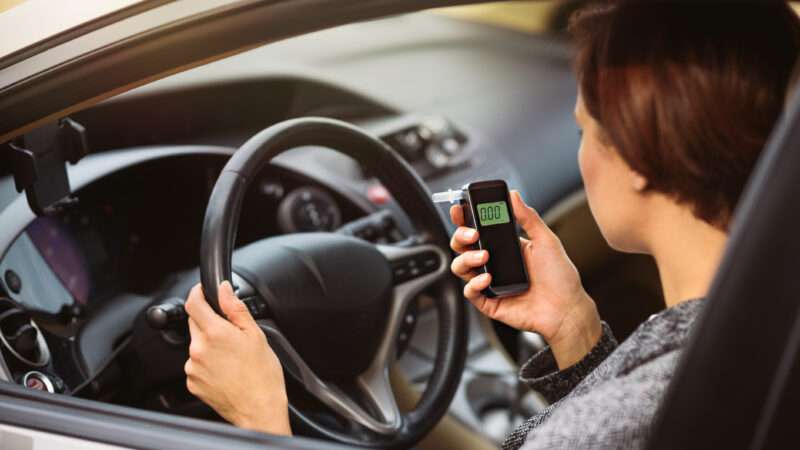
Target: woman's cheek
(597, 195)
(582, 162)
(589, 175)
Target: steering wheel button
(255, 307)
(427, 262)
(400, 273)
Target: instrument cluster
(131, 230)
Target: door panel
(24, 412)
(16, 438)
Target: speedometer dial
(308, 209)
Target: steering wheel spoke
(374, 384)
(414, 267)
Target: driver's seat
(738, 383)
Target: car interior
(92, 291)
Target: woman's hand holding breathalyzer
(556, 306)
(231, 366)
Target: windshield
(26, 23)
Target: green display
(493, 213)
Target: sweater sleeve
(616, 413)
(542, 375)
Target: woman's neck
(687, 252)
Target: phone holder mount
(39, 166)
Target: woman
(675, 103)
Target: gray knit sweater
(609, 399)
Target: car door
(38, 420)
(15, 438)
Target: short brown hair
(687, 92)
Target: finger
(457, 215)
(463, 239)
(528, 219)
(233, 308)
(526, 247)
(194, 384)
(472, 290)
(194, 330)
(199, 310)
(465, 264)
(188, 368)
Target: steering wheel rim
(219, 232)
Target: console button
(38, 381)
(35, 383)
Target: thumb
(528, 218)
(235, 310)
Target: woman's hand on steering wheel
(556, 306)
(231, 366)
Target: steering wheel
(337, 303)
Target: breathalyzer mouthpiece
(450, 196)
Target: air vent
(20, 336)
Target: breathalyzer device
(487, 208)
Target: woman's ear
(638, 181)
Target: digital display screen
(498, 233)
(493, 213)
(63, 253)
